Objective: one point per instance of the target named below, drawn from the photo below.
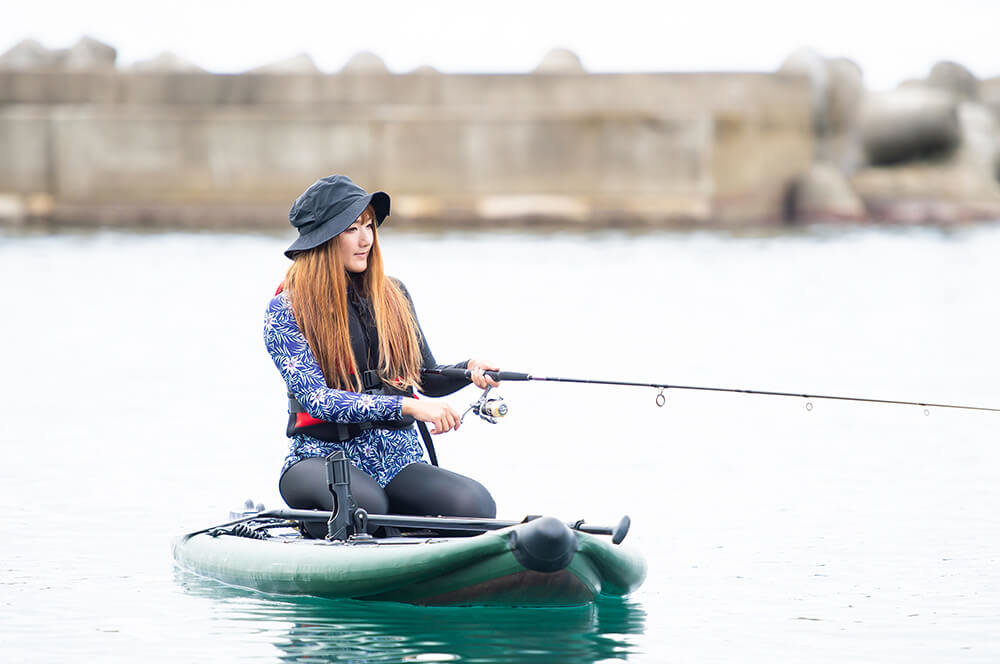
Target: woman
(346, 340)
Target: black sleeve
(431, 385)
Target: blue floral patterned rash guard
(381, 453)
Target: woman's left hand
(479, 377)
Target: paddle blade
(621, 530)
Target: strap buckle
(370, 379)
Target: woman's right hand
(438, 413)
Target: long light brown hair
(317, 286)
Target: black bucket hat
(328, 208)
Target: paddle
(617, 533)
(347, 519)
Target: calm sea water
(137, 403)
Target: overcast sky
(890, 39)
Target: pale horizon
(891, 41)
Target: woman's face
(355, 242)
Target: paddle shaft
(434, 522)
(517, 376)
(431, 522)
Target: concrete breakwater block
(297, 64)
(958, 187)
(955, 79)
(824, 194)
(909, 123)
(89, 54)
(12, 210)
(86, 54)
(925, 192)
(560, 61)
(980, 149)
(365, 62)
(989, 91)
(30, 54)
(837, 87)
(17, 210)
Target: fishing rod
(661, 398)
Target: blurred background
(790, 196)
(216, 115)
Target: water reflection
(318, 630)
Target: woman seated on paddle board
(346, 340)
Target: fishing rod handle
(467, 375)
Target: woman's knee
(423, 489)
(474, 500)
(304, 486)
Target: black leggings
(419, 489)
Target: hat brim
(379, 200)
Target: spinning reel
(490, 409)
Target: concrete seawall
(208, 150)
